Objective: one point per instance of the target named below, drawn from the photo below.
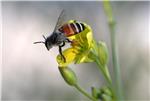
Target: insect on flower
(61, 33)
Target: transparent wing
(61, 20)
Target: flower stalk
(100, 57)
(85, 93)
(115, 59)
(104, 71)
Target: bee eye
(48, 45)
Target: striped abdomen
(72, 28)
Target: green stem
(105, 72)
(84, 92)
(115, 60)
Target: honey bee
(61, 33)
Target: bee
(61, 33)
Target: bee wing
(60, 20)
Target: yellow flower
(80, 48)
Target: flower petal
(69, 55)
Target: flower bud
(68, 75)
(106, 97)
(95, 92)
(107, 90)
(103, 53)
(106, 94)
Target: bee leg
(60, 51)
(69, 41)
(73, 42)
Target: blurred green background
(30, 72)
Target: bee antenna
(39, 42)
(44, 37)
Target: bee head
(47, 43)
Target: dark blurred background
(30, 72)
